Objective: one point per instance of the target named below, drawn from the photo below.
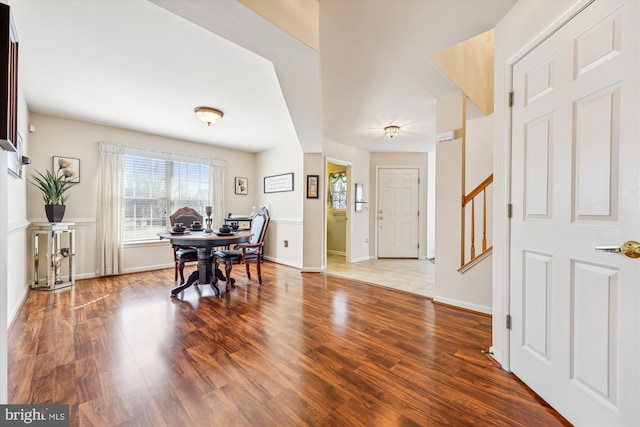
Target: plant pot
(55, 213)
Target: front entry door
(575, 186)
(397, 215)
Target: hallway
(410, 275)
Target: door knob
(630, 249)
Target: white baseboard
(147, 268)
(496, 355)
(16, 309)
(340, 253)
(462, 304)
(313, 270)
(364, 258)
(288, 263)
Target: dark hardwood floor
(302, 349)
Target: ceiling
(145, 65)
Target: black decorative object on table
(208, 221)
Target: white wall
(471, 290)
(431, 206)
(285, 208)
(13, 238)
(4, 276)
(527, 20)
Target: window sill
(143, 243)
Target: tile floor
(410, 275)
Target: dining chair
(183, 254)
(246, 253)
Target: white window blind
(154, 187)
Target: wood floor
(303, 349)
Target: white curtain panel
(216, 191)
(110, 211)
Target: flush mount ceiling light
(208, 115)
(392, 130)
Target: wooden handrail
(484, 184)
(470, 198)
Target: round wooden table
(204, 243)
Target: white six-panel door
(397, 215)
(575, 185)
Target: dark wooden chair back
(186, 216)
(183, 254)
(246, 253)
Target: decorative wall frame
(8, 81)
(312, 186)
(241, 185)
(68, 167)
(359, 202)
(278, 183)
(14, 159)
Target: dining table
(204, 241)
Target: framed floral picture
(67, 167)
(242, 185)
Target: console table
(54, 249)
(242, 223)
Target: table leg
(204, 275)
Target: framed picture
(14, 159)
(68, 167)
(278, 183)
(242, 185)
(312, 186)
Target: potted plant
(53, 188)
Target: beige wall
(471, 290)
(314, 217)
(358, 233)
(71, 138)
(336, 221)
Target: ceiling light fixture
(208, 115)
(392, 130)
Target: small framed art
(242, 185)
(312, 186)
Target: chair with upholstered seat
(246, 253)
(184, 254)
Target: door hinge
(511, 99)
(509, 210)
(508, 321)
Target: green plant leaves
(53, 187)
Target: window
(154, 188)
(338, 190)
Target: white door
(575, 186)
(397, 213)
